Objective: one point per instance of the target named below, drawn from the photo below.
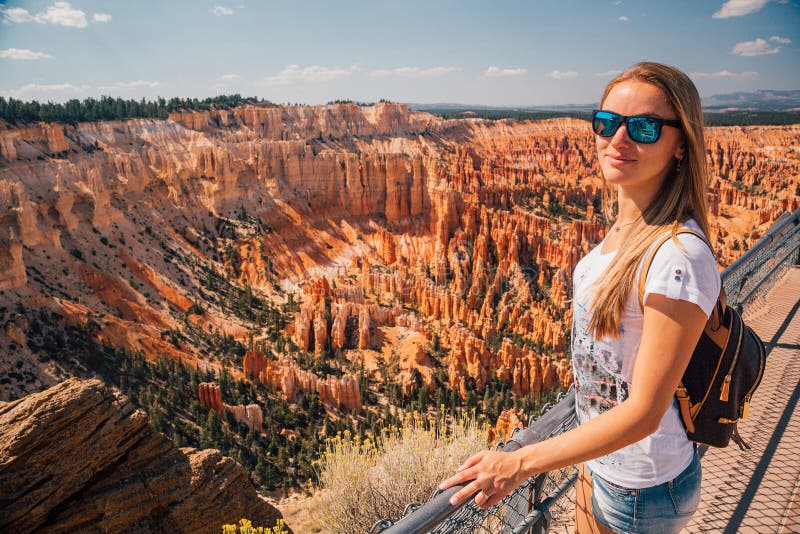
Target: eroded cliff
(386, 227)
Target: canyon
(374, 218)
(344, 249)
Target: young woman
(641, 473)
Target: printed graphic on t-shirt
(598, 379)
(599, 383)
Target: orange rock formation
(374, 216)
(503, 429)
(288, 377)
(211, 396)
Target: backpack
(725, 369)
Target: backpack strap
(685, 406)
(681, 394)
(648, 259)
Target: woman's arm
(670, 331)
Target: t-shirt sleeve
(690, 275)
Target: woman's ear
(679, 151)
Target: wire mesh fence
(518, 511)
(748, 279)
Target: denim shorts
(665, 508)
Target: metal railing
(530, 508)
(748, 279)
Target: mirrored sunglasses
(642, 129)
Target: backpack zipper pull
(724, 390)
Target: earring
(678, 165)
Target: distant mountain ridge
(760, 100)
(450, 107)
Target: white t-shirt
(603, 368)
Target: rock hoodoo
(251, 415)
(284, 374)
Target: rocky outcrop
(351, 323)
(127, 303)
(55, 137)
(254, 363)
(412, 360)
(528, 372)
(51, 134)
(149, 276)
(308, 122)
(289, 378)
(219, 488)
(251, 415)
(80, 457)
(285, 375)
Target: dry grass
(366, 480)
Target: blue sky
(503, 52)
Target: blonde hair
(682, 196)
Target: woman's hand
(493, 474)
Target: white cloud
(60, 13)
(17, 15)
(314, 73)
(623, 18)
(47, 91)
(128, 85)
(417, 72)
(738, 8)
(22, 53)
(61, 91)
(759, 47)
(414, 72)
(497, 72)
(221, 11)
(101, 17)
(229, 77)
(562, 75)
(724, 74)
(612, 72)
(781, 40)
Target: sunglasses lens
(644, 129)
(605, 124)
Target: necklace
(619, 227)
